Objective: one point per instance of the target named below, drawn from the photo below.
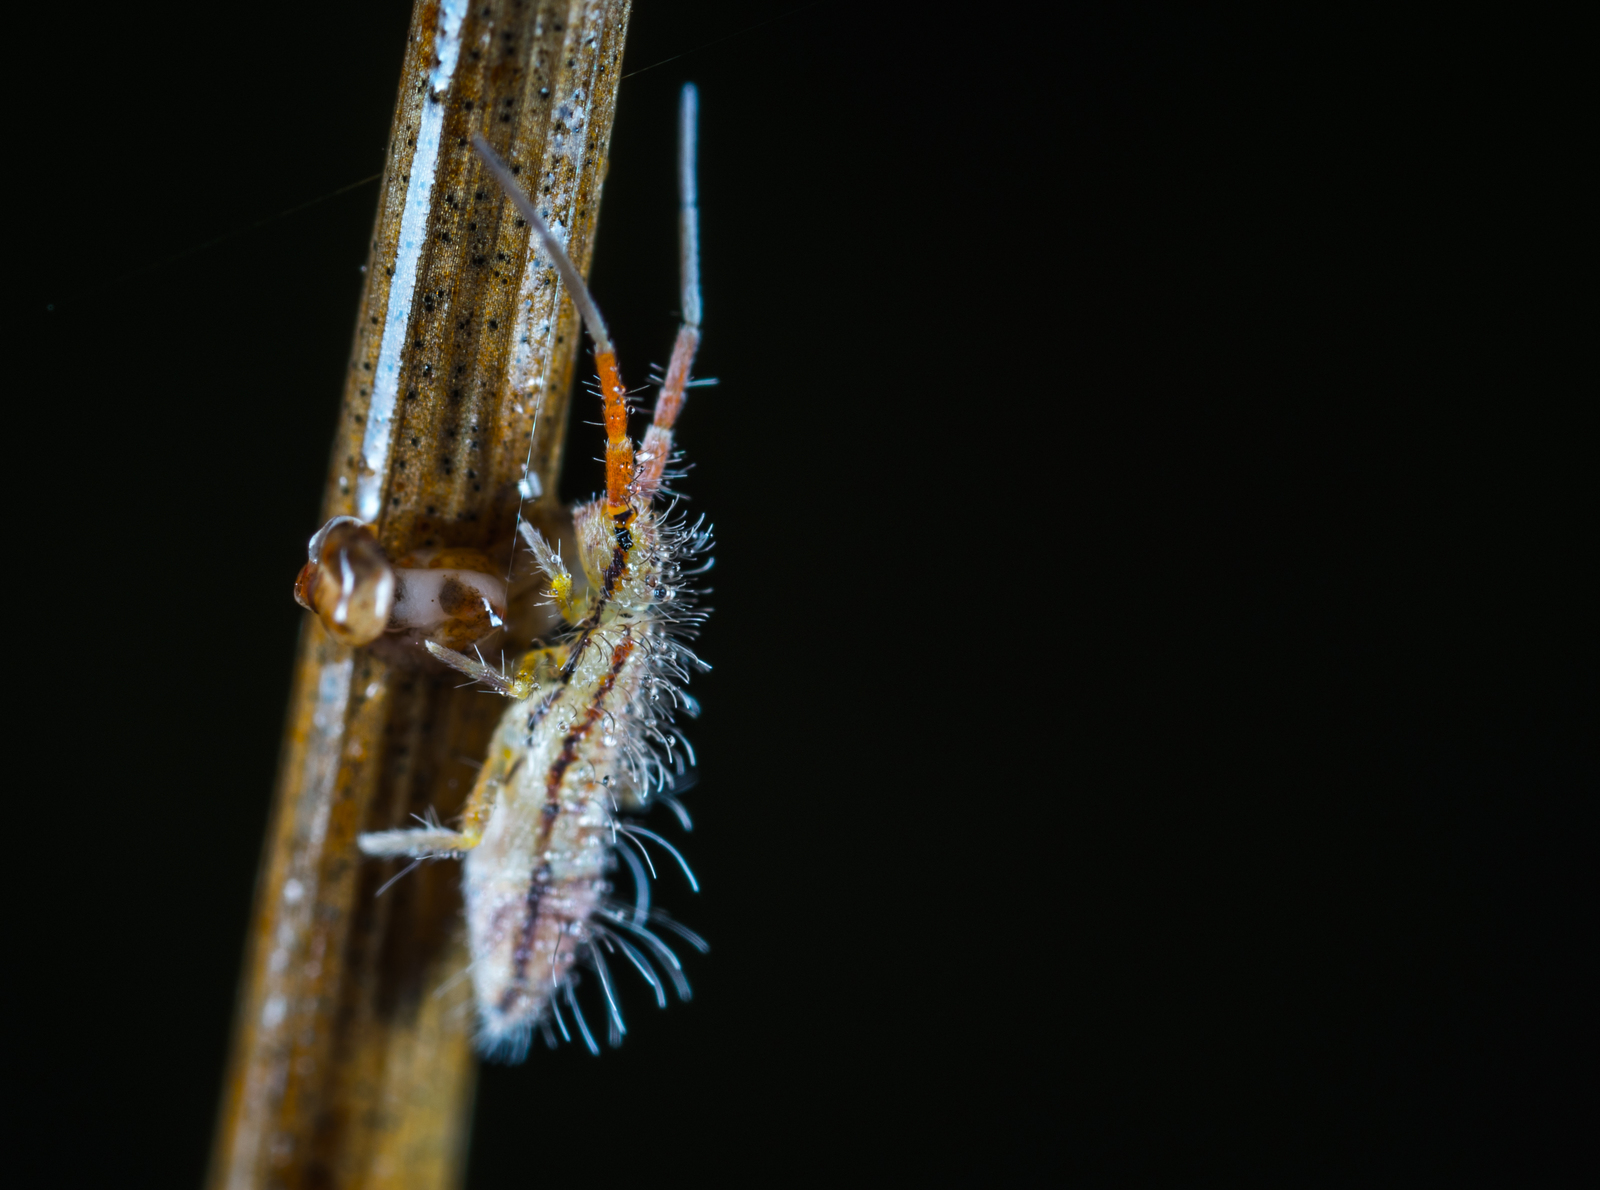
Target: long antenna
(570, 277)
(689, 204)
(614, 398)
(656, 449)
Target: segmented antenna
(570, 277)
(657, 445)
(689, 204)
(619, 450)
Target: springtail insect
(590, 732)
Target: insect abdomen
(539, 874)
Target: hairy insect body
(590, 733)
(538, 875)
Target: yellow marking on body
(561, 591)
(537, 667)
(481, 803)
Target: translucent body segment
(454, 607)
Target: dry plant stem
(349, 1067)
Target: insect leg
(573, 607)
(536, 666)
(419, 843)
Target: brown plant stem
(351, 1060)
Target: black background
(1153, 719)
